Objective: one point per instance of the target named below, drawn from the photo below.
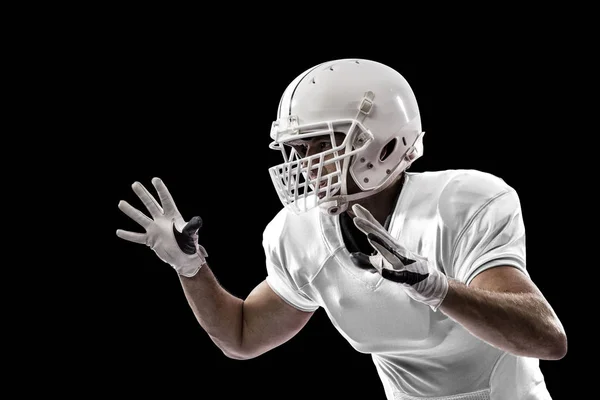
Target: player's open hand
(394, 262)
(172, 239)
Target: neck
(380, 205)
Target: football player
(424, 271)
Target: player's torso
(375, 315)
(419, 348)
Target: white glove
(174, 241)
(423, 282)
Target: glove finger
(406, 277)
(165, 197)
(148, 200)
(132, 236)
(192, 226)
(186, 239)
(362, 212)
(388, 250)
(135, 214)
(387, 255)
(367, 227)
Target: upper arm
(277, 309)
(269, 321)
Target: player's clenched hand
(422, 280)
(172, 239)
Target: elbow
(558, 348)
(555, 345)
(239, 354)
(235, 355)
(558, 343)
(554, 336)
(544, 348)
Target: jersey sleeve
(494, 236)
(278, 277)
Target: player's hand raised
(167, 233)
(422, 280)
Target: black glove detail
(361, 260)
(407, 277)
(184, 238)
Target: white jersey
(465, 221)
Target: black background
(199, 118)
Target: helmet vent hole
(403, 140)
(387, 149)
(313, 81)
(357, 62)
(331, 68)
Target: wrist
(191, 269)
(439, 286)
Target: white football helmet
(372, 105)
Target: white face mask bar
(302, 182)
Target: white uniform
(465, 221)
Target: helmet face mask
(368, 102)
(305, 181)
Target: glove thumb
(185, 238)
(192, 226)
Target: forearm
(219, 313)
(519, 323)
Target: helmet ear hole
(387, 149)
